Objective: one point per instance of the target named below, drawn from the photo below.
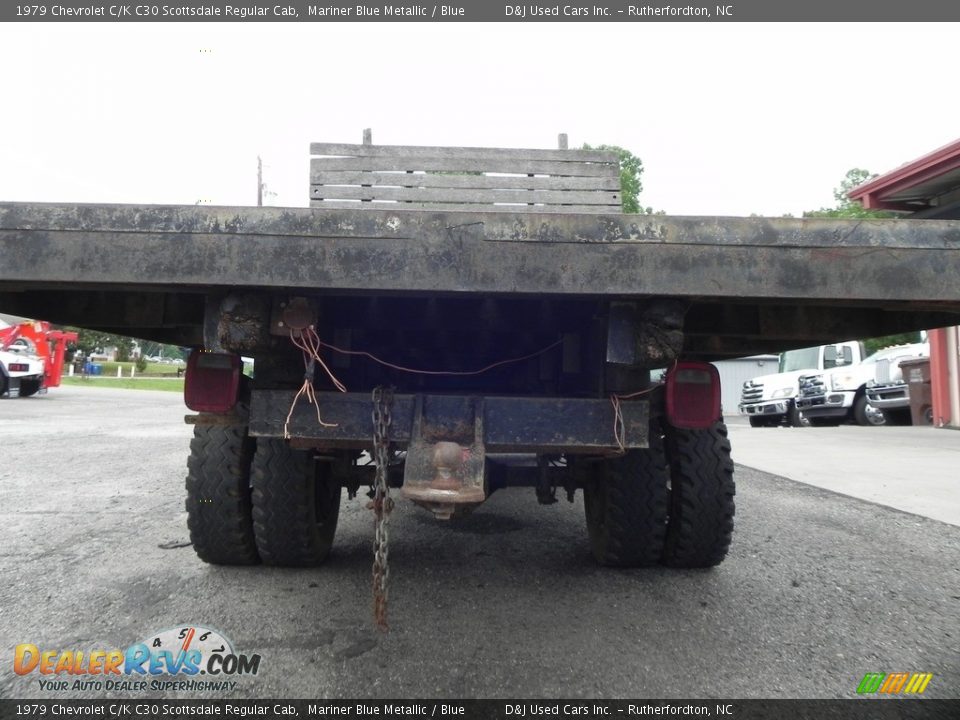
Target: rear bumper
(499, 424)
(13, 383)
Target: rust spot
(461, 432)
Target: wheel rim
(873, 415)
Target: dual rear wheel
(251, 501)
(671, 503)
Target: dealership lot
(819, 588)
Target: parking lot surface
(819, 589)
(916, 469)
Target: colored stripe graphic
(871, 683)
(894, 683)
(918, 683)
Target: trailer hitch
(445, 468)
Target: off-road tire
(218, 495)
(862, 416)
(626, 507)
(296, 503)
(701, 504)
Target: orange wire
(460, 373)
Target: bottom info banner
(873, 709)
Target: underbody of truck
(467, 352)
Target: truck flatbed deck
(749, 285)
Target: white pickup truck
(834, 396)
(770, 400)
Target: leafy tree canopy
(874, 344)
(631, 168)
(845, 207)
(93, 341)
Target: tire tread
(635, 508)
(702, 497)
(218, 495)
(284, 516)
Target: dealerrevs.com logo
(178, 654)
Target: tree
(874, 344)
(631, 168)
(847, 208)
(93, 341)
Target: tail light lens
(18, 367)
(693, 395)
(213, 382)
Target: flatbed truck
(466, 348)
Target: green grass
(126, 383)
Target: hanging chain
(382, 504)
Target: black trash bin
(916, 373)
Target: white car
(21, 375)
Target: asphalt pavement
(819, 588)
(911, 468)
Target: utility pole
(259, 182)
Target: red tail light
(213, 382)
(18, 367)
(693, 395)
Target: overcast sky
(728, 119)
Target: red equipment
(49, 345)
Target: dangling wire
(311, 355)
(310, 344)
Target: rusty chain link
(382, 503)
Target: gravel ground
(819, 588)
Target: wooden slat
(468, 153)
(455, 207)
(433, 180)
(441, 164)
(549, 197)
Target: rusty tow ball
(446, 476)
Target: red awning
(912, 186)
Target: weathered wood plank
(441, 164)
(471, 153)
(485, 197)
(462, 207)
(444, 180)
